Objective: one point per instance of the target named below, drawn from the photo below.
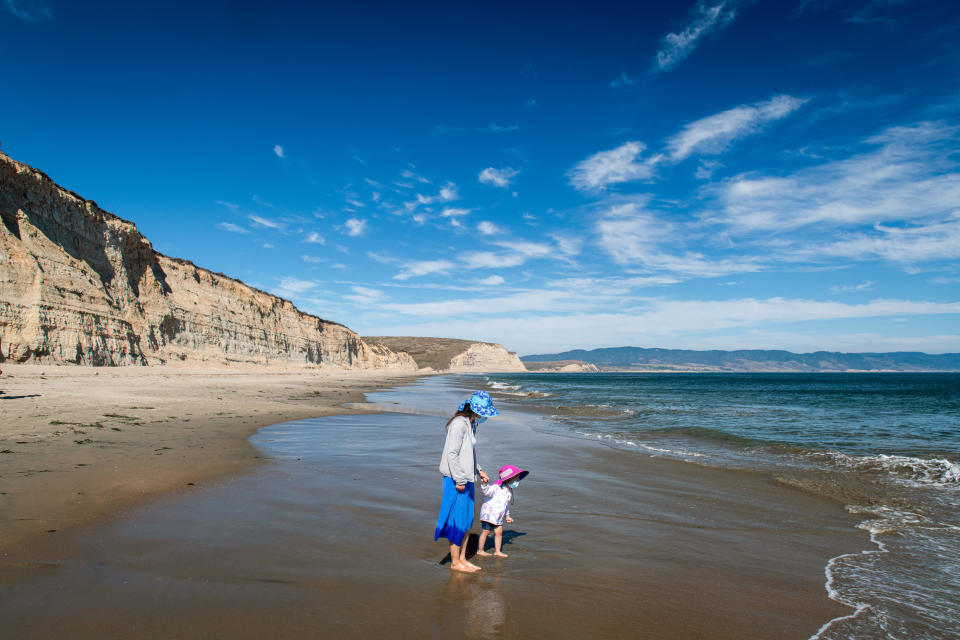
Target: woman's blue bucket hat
(481, 404)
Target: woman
(459, 467)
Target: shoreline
(606, 543)
(80, 444)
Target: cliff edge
(452, 355)
(80, 285)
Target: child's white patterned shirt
(496, 503)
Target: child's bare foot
(500, 554)
(482, 553)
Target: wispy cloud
(454, 214)
(315, 238)
(29, 10)
(852, 288)
(612, 167)
(229, 226)
(264, 222)
(488, 228)
(293, 287)
(497, 177)
(910, 176)
(355, 226)
(622, 80)
(713, 133)
(705, 18)
(424, 268)
(365, 296)
(492, 281)
(277, 149)
(633, 235)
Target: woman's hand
(484, 476)
(509, 520)
(461, 487)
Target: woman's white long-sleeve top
(459, 458)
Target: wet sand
(82, 442)
(333, 536)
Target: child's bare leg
(482, 543)
(497, 541)
(456, 557)
(463, 554)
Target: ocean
(886, 445)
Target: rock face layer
(80, 285)
(457, 356)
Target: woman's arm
(456, 436)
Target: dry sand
(80, 442)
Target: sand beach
(323, 527)
(81, 442)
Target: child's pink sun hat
(509, 472)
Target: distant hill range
(639, 359)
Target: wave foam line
(834, 594)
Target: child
(496, 507)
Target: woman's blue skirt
(456, 512)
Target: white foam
(503, 386)
(927, 471)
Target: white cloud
(497, 177)
(746, 322)
(528, 249)
(315, 238)
(631, 234)
(410, 175)
(623, 80)
(911, 176)
(264, 222)
(235, 208)
(611, 167)
(423, 268)
(706, 18)
(491, 260)
(447, 193)
(313, 259)
(293, 287)
(29, 10)
(492, 281)
(277, 149)
(850, 288)
(419, 218)
(488, 228)
(365, 296)
(939, 240)
(713, 133)
(355, 226)
(453, 212)
(229, 226)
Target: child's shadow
(474, 539)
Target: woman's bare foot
(464, 568)
(470, 564)
(482, 553)
(500, 554)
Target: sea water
(887, 445)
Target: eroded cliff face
(80, 285)
(485, 357)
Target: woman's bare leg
(463, 553)
(456, 558)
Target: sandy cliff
(448, 354)
(80, 285)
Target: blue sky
(547, 176)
